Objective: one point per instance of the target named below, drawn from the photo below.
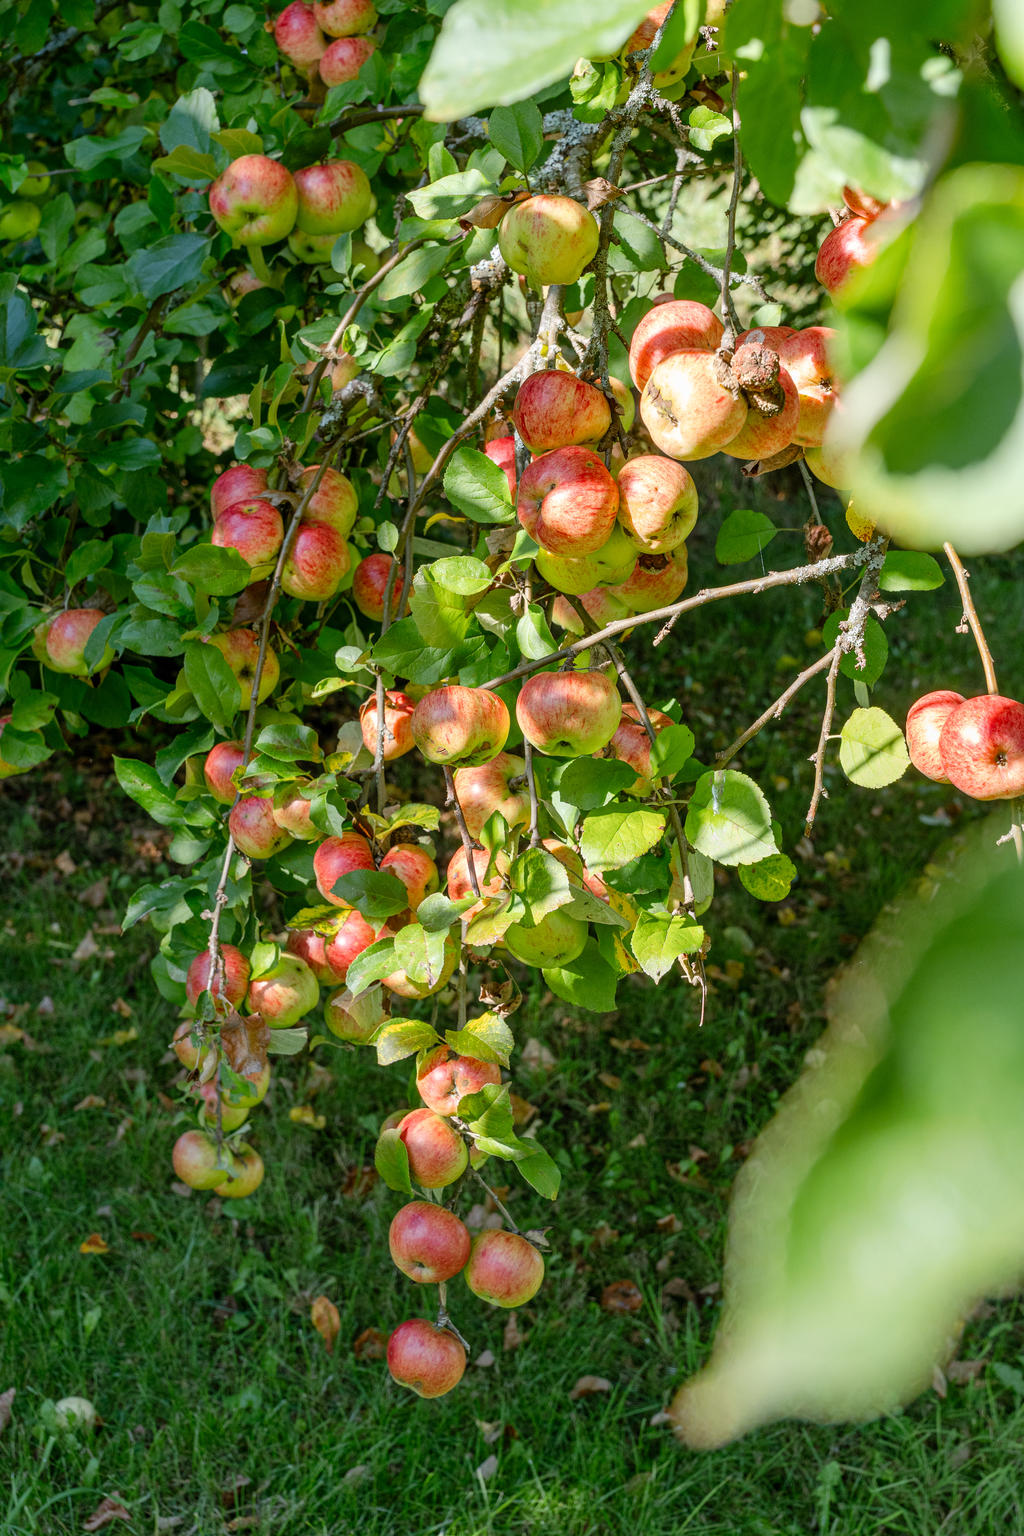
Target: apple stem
(259, 266)
(970, 619)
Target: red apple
(240, 649)
(567, 501)
(632, 745)
(460, 726)
(312, 947)
(443, 1078)
(232, 984)
(601, 604)
(316, 563)
(832, 466)
(483, 790)
(344, 59)
(555, 409)
(657, 502)
(199, 1162)
(568, 714)
(607, 566)
(344, 18)
(298, 36)
(981, 746)
(351, 937)
(66, 640)
(254, 528)
(504, 1268)
(429, 1360)
(846, 249)
(334, 502)
(292, 811)
(925, 719)
(252, 825)
(459, 883)
(805, 356)
(762, 436)
(245, 1176)
(334, 197)
(681, 325)
(657, 581)
(687, 409)
(255, 200)
(284, 994)
(437, 1153)
(503, 452)
(192, 1056)
(862, 203)
(415, 868)
(369, 585)
(217, 1112)
(398, 738)
(549, 239)
(765, 336)
(428, 1243)
(239, 483)
(337, 856)
(221, 762)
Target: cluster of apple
(326, 39)
(258, 201)
(977, 745)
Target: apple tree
(362, 368)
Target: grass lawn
(222, 1409)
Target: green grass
(192, 1334)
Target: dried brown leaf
(622, 1296)
(326, 1320)
(64, 863)
(588, 1385)
(370, 1345)
(536, 1057)
(244, 1042)
(489, 211)
(6, 1403)
(599, 191)
(86, 948)
(106, 1511)
(787, 455)
(511, 1337)
(485, 1359)
(961, 1372)
(95, 894)
(119, 1006)
(91, 1101)
(487, 1468)
(94, 1243)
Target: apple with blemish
(608, 566)
(245, 1177)
(488, 788)
(254, 528)
(398, 737)
(219, 765)
(437, 1153)
(428, 1243)
(252, 825)
(240, 649)
(658, 502)
(67, 637)
(344, 58)
(677, 325)
(762, 435)
(688, 407)
(805, 356)
(981, 746)
(369, 586)
(504, 1268)
(338, 856)
(556, 410)
(231, 977)
(334, 198)
(255, 200)
(443, 1078)
(430, 1360)
(925, 719)
(284, 994)
(242, 482)
(459, 726)
(568, 501)
(548, 239)
(568, 714)
(192, 1055)
(344, 18)
(199, 1162)
(656, 582)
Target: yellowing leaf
(93, 1244)
(326, 1320)
(305, 1114)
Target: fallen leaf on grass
(511, 1337)
(326, 1320)
(588, 1385)
(104, 1513)
(46, 1007)
(305, 1114)
(65, 863)
(6, 1401)
(370, 1345)
(86, 948)
(961, 1372)
(93, 1244)
(487, 1468)
(91, 1101)
(120, 1037)
(121, 1007)
(621, 1296)
(357, 1474)
(486, 1359)
(235, 1485)
(536, 1057)
(143, 1237)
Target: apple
(37, 183)
(242, 482)
(568, 501)
(298, 36)
(504, 1268)
(219, 766)
(193, 1057)
(805, 356)
(398, 738)
(556, 940)
(255, 200)
(334, 502)
(686, 408)
(337, 856)
(762, 435)
(925, 719)
(601, 604)
(845, 249)
(415, 868)
(657, 581)
(555, 410)
(437, 1153)
(241, 282)
(344, 59)
(483, 790)
(981, 746)
(252, 825)
(765, 336)
(548, 239)
(679, 325)
(632, 745)
(292, 811)
(316, 562)
(832, 466)
(625, 400)
(66, 640)
(20, 220)
(351, 937)
(230, 1117)
(356, 1017)
(232, 984)
(311, 947)
(429, 1360)
(199, 1162)
(254, 528)
(402, 985)
(344, 18)
(334, 197)
(657, 502)
(459, 883)
(460, 726)
(245, 1177)
(502, 450)
(568, 714)
(235, 1102)
(607, 566)
(314, 250)
(443, 1078)
(342, 372)
(284, 994)
(369, 585)
(240, 649)
(428, 1243)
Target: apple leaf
(287, 1041)
(212, 684)
(518, 132)
(451, 195)
(396, 1041)
(478, 487)
(438, 912)
(414, 272)
(769, 880)
(706, 127)
(376, 961)
(728, 818)
(659, 939)
(907, 570)
(614, 836)
(587, 784)
(219, 572)
(374, 893)
(672, 750)
(487, 1038)
(391, 1161)
(542, 882)
(743, 536)
(588, 981)
(419, 953)
(872, 751)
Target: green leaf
(771, 879)
(541, 1172)
(86, 559)
(659, 939)
(289, 741)
(142, 784)
(391, 1161)
(743, 536)
(190, 123)
(487, 1038)
(615, 836)
(219, 572)
(394, 1042)
(452, 195)
(30, 487)
(419, 953)
(728, 818)
(373, 892)
(212, 684)
(187, 163)
(174, 262)
(287, 1042)
(533, 636)
(541, 883)
(437, 913)
(21, 349)
(374, 963)
(671, 750)
(587, 784)
(872, 751)
(706, 128)
(679, 29)
(414, 272)
(518, 131)
(588, 982)
(903, 570)
(501, 51)
(477, 487)
(462, 575)
(86, 154)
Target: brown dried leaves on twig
(489, 211)
(245, 1042)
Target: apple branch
(467, 841)
(736, 279)
(443, 1318)
(729, 315)
(826, 728)
(531, 780)
(970, 618)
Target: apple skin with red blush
(925, 719)
(982, 747)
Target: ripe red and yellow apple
(199, 1162)
(284, 994)
(67, 637)
(461, 727)
(443, 1078)
(676, 326)
(687, 408)
(253, 528)
(334, 197)
(657, 502)
(487, 788)
(504, 1268)
(240, 649)
(242, 482)
(656, 582)
(398, 737)
(369, 586)
(344, 18)
(608, 566)
(428, 1243)
(568, 501)
(548, 239)
(245, 1176)
(338, 856)
(981, 746)
(316, 563)
(568, 714)
(230, 977)
(437, 1153)
(344, 58)
(430, 1360)
(255, 831)
(556, 410)
(255, 200)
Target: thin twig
(774, 711)
(970, 618)
(823, 735)
(729, 315)
(467, 841)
